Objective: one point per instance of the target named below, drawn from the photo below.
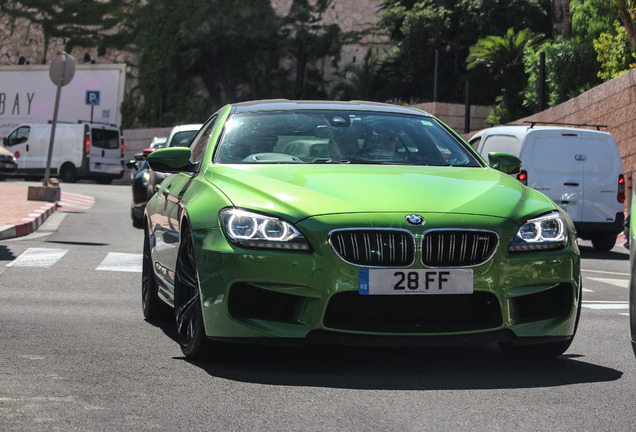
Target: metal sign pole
(57, 104)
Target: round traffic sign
(62, 69)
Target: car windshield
(325, 136)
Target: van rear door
(556, 168)
(104, 151)
(602, 167)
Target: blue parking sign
(92, 97)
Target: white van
(80, 151)
(579, 169)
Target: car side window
(18, 136)
(200, 142)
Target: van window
(18, 136)
(105, 138)
(501, 143)
(475, 143)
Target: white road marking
(588, 290)
(123, 262)
(605, 272)
(605, 305)
(38, 257)
(82, 202)
(623, 283)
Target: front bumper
(298, 298)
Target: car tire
(187, 301)
(153, 307)
(68, 173)
(544, 350)
(137, 222)
(604, 243)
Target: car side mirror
(5, 141)
(131, 164)
(172, 160)
(504, 162)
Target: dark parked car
(8, 165)
(142, 185)
(144, 179)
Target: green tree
(614, 53)
(597, 51)
(571, 68)
(503, 56)
(84, 23)
(419, 28)
(308, 42)
(198, 55)
(363, 81)
(626, 11)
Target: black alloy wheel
(153, 307)
(189, 317)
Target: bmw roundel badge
(414, 219)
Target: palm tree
(503, 57)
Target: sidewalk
(20, 217)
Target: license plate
(415, 281)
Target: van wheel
(68, 173)
(604, 243)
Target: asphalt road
(76, 354)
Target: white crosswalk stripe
(47, 257)
(38, 257)
(75, 201)
(121, 262)
(602, 305)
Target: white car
(180, 136)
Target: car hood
(296, 192)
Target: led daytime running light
(543, 233)
(254, 230)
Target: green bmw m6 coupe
(359, 223)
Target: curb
(28, 224)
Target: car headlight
(253, 230)
(543, 233)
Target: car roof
(295, 105)
(186, 127)
(521, 130)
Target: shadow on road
(591, 253)
(6, 254)
(465, 368)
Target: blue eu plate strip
(363, 282)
